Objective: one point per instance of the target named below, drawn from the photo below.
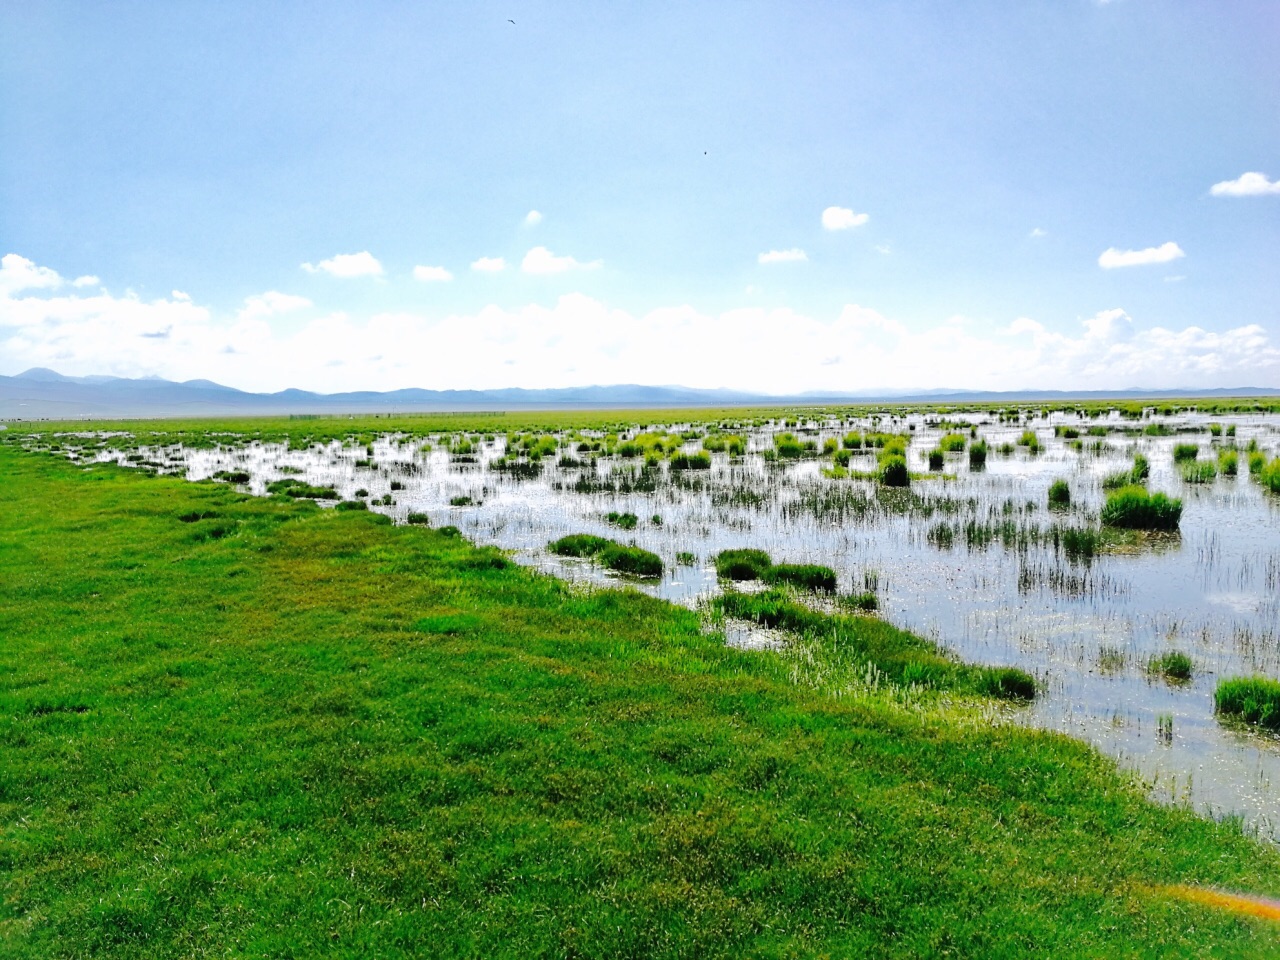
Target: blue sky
(185, 161)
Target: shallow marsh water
(965, 557)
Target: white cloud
(431, 274)
(540, 260)
(348, 265)
(578, 339)
(179, 295)
(270, 303)
(1112, 258)
(532, 218)
(1246, 185)
(883, 248)
(842, 218)
(88, 280)
(1036, 233)
(18, 273)
(489, 264)
(783, 256)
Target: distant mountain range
(40, 393)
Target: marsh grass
(1133, 507)
(1059, 494)
(623, 521)
(298, 489)
(900, 656)
(977, 455)
(807, 576)
(1183, 452)
(1198, 471)
(1254, 700)
(1172, 665)
(1228, 463)
(742, 564)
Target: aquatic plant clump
(1134, 508)
(1251, 699)
(1185, 451)
(1198, 471)
(1059, 494)
(300, 490)
(893, 471)
(977, 454)
(579, 545)
(1269, 476)
(633, 560)
(744, 564)
(808, 576)
(1172, 664)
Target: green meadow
(255, 727)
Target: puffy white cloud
(431, 274)
(1112, 258)
(88, 280)
(1036, 233)
(783, 256)
(532, 218)
(179, 295)
(270, 303)
(18, 273)
(540, 260)
(842, 218)
(1246, 185)
(489, 264)
(580, 340)
(348, 265)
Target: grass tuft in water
(742, 564)
(1252, 699)
(809, 576)
(1059, 494)
(1185, 451)
(1172, 665)
(1134, 508)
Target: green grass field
(255, 728)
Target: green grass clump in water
(633, 560)
(419, 519)
(744, 564)
(1136, 509)
(1141, 468)
(893, 471)
(1059, 494)
(1269, 476)
(977, 455)
(299, 490)
(1114, 481)
(579, 545)
(953, 443)
(615, 556)
(691, 461)
(809, 576)
(1030, 441)
(902, 657)
(936, 459)
(686, 559)
(1198, 471)
(1252, 699)
(624, 521)
(329, 736)
(1185, 451)
(1172, 664)
(852, 441)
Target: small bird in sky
(510, 21)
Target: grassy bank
(250, 727)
